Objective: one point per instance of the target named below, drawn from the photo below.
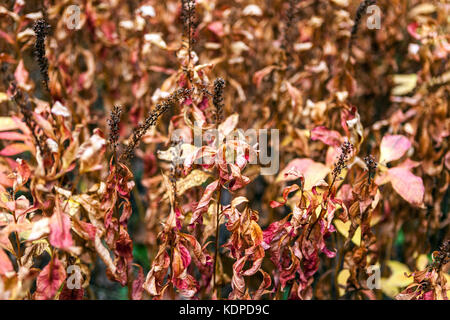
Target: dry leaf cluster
(99, 171)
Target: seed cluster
(188, 20)
(114, 123)
(442, 256)
(289, 36)
(346, 150)
(22, 101)
(219, 85)
(41, 29)
(359, 14)
(371, 165)
(151, 119)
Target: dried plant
(150, 120)
(371, 166)
(113, 124)
(181, 204)
(189, 22)
(219, 85)
(41, 29)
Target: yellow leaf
(194, 179)
(421, 262)
(422, 9)
(256, 233)
(7, 123)
(404, 83)
(3, 97)
(398, 280)
(342, 280)
(343, 229)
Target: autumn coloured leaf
(91, 151)
(71, 294)
(50, 280)
(406, 184)
(259, 75)
(14, 149)
(224, 150)
(60, 226)
(7, 123)
(393, 147)
(329, 137)
(205, 200)
(312, 171)
(5, 263)
(21, 75)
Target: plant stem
(216, 254)
(16, 234)
(172, 288)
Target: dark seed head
(41, 29)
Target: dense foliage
(103, 184)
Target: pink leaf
(296, 96)
(50, 280)
(393, 147)
(412, 30)
(7, 37)
(21, 74)
(5, 263)
(60, 226)
(217, 28)
(286, 192)
(229, 124)
(311, 170)
(14, 149)
(327, 136)
(137, 288)
(259, 75)
(205, 200)
(9, 135)
(407, 185)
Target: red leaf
(50, 280)
(71, 294)
(124, 246)
(137, 288)
(60, 236)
